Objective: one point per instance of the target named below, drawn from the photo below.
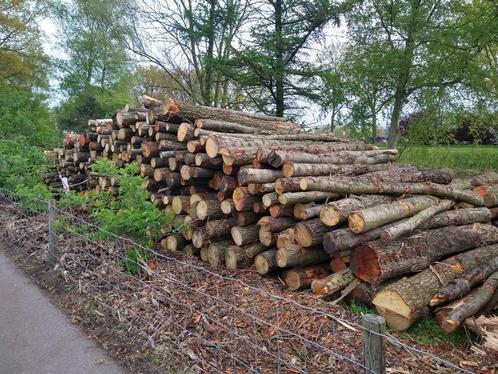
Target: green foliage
(131, 212)
(428, 332)
(360, 309)
(463, 158)
(33, 198)
(135, 258)
(73, 198)
(96, 76)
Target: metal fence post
(374, 357)
(52, 242)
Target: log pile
(334, 215)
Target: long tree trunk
(294, 255)
(472, 304)
(461, 286)
(377, 261)
(375, 216)
(407, 300)
(337, 212)
(355, 186)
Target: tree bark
(278, 158)
(310, 233)
(287, 185)
(276, 224)
(250, 175)
(376, 261)
(407, 300)
(292, 169)
(376, 216)
(307, 211)
(395, 188)
(461, 286)
(230, 127)
(489, 195)
(332, 283)
(237, 156)
(286, 237)
(235, 258)
(191, 111)
(336, 212)
(458, 217)
(243, 200)
(301, 278)
(411, 224)
(245, 234)
(281, 211)
(472, 304)
(270, 199)
(266, 262)
(294, 255)
(255, 249)
(291, 198)
(203, 160)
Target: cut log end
(212, 147)
(330, 216)
(388, 301)
(356, 223)
(364, 263)
(449, 325)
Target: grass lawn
(467, 159)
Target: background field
(465, 159)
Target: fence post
(374, 357)
(52, 242)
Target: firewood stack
(334, 215)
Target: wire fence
(201, 319)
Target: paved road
(36, 337)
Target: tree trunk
(191, 111)
(269, 199)
(376, 261)
(203, 160)
(461, 286)
(250, 175)
(255, 249)
(286, 237)
(395, 188)
(407, 300)
(235, 258)
(237, 156)
(471, 304)
(208, 208)
(245, 235)
(266, 262)
(246, 218)
(332, 283)
(287, 185)
(292, 169)
(373, 217)
(307, 211)
(281, 211)
(310, 233)
(278, 158)
(180, 204)
(489, 195)
(458, 217)
(230, 127)
(294, 255)
(336, 212)
(291, 198)
(243, 200)
(411, 224)
(276, 224)
(301, 278)
(216, 252)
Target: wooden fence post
(374, 357)
(52, 242)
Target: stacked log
(334, 215)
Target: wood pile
(334, 215)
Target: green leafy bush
(135, 257)
(130, 212)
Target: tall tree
(22, 61)
(425, 43)
(276, 60)
(95, 73)
(190, 39)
